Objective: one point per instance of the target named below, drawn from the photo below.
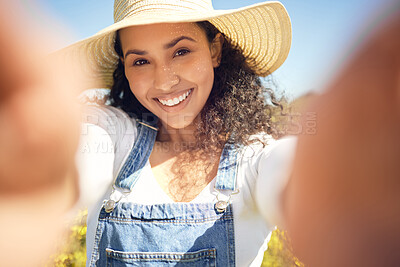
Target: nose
(165, 78)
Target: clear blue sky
(322, 33)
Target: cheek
(138, 85)
(202, 72)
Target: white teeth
(176, 100)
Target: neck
(181, 140)
(177, 138)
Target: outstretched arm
(39, 129)
(342, 204)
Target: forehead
(160, 33)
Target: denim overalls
(171, 234)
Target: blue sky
(322, 32)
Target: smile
(176, 100)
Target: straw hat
(261, 31)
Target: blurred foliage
(72, 252)
(279, 252)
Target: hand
(39, 130)
(342, 205)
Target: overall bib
(171, 234)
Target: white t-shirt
(107, 137)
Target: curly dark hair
(235, 110)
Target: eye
(182, 52)
(140, 62)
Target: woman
(196, 178)
(342, 205)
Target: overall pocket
(200, 258)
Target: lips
(175, 103)
(176, 100)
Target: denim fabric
(226, 179)
(171, 234)
(137, 158)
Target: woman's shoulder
(265, 169)
(97, 109)
(263, 144)
(95, 112)
(117, 124)
(267, 155)
(113, 120)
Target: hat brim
(261, 31)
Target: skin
(159, 68)
(39, 131)
(173, 59)
(342, 205)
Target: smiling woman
(209, 190)
(192, 132)
(228, 76)
(176, 60)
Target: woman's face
(170, 69)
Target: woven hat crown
(127, 8)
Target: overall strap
(138, 156)
(226, 175)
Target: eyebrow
(177, 40)
(166, 46)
